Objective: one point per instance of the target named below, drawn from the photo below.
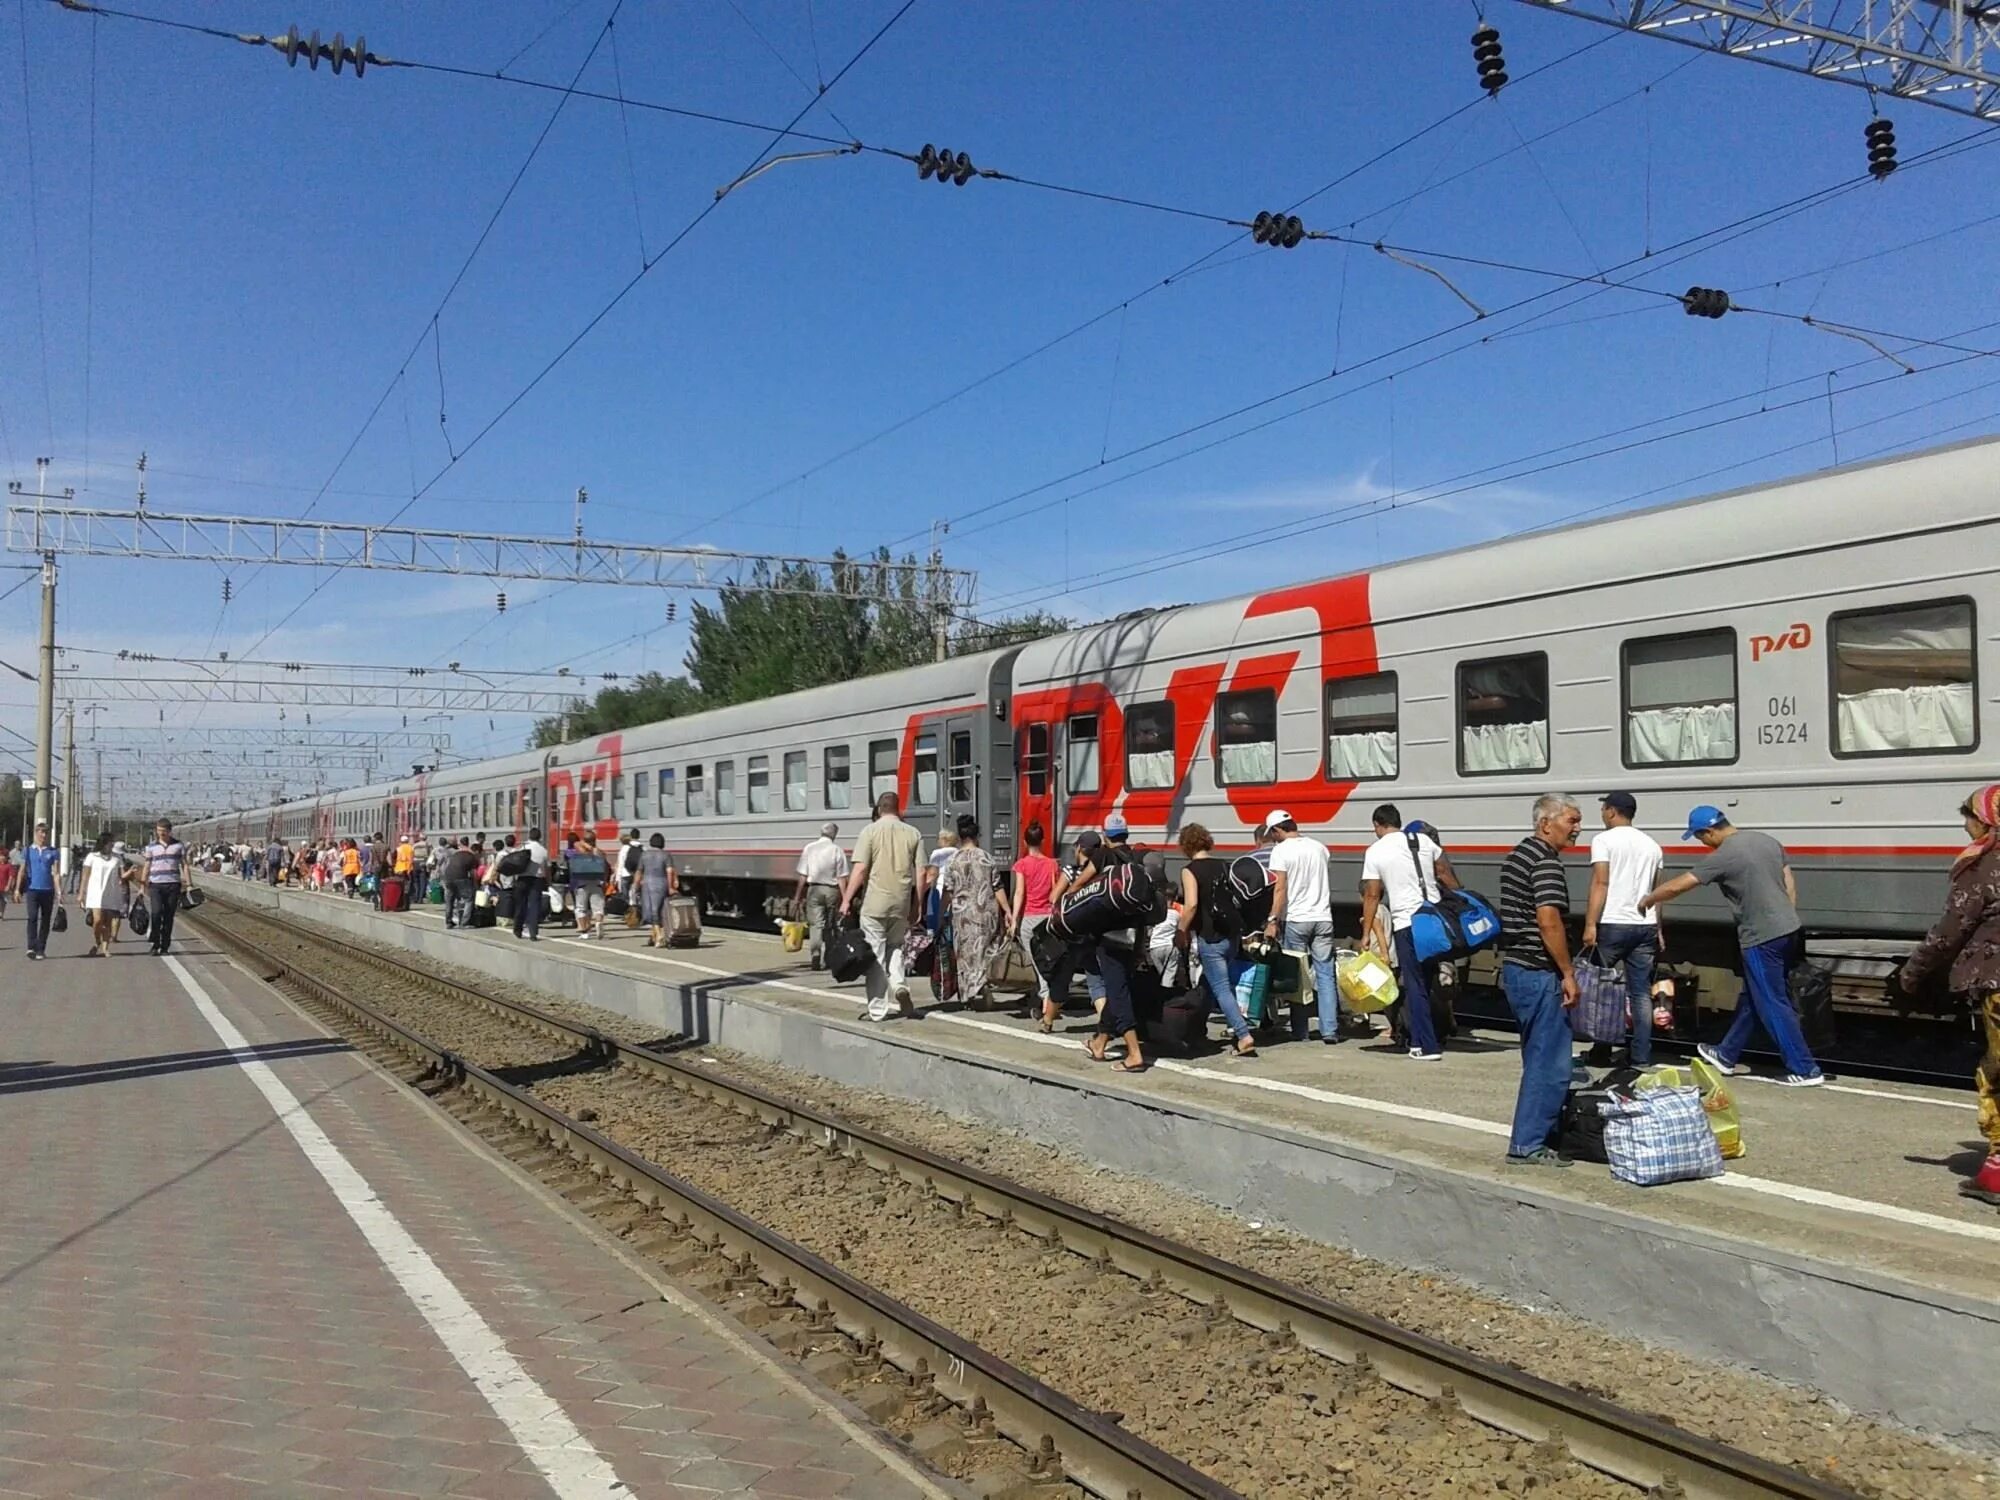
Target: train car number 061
(1787, 728)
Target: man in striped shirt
(1535, 972)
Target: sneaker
(1331, 1041)
(1417, 1054)
(1801, 1080)
(903, 996)
(1543, 1157)
(1714, 1059)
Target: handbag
(1602, 1010)
(60, 921)
(1455, 925)
(919, 951)
(1812, 997)
(847, 953)
(140, 919)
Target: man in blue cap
(1751, 871)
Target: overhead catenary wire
(35, 234)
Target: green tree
(647, 699)
(10, 809)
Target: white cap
(1274, 817)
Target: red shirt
(1038, 878)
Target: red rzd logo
(1796, 639)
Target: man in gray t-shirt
(1751, 871)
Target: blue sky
(268, 244)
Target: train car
(1809, 656)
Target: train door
(961, 771)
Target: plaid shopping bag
(1602, 1009)
(1660, 1136)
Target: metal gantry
(254, 737)
(248, 762)
(299, 690)
(1941, 52)
(254, 541)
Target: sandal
(1126, 1065)
(1245, 1047)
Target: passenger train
(1814, 656)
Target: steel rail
(1624, 1444)
(1061, 1438)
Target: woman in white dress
(103, 894)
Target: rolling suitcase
(392, 893)
(504, 905)
(683, 914)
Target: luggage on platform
(683, 922)
(795, 936)
(392, 889)
(1602, 1012)
(503, 906)
(1812, 998)
(848, 955)
(1366, 982)
(482, 916)
(1659, 1136)
(615, 905)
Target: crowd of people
(1212, 925)
(110, 883)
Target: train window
(642, 791)
(1503, 714)
(1149, 746)
(1903, 679)
(881, 768)
(513, 806)
(760, 783)
(1035, 760)
(697, 799)
(924, 772)
(1080, 764)
(1361, 727)
(1246, 737)
(959, 766)
(618, 795)
(839, 789)
(667, 792)
(795, 781)
(725, 788)
(1680, 699)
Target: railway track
(1060, 1438)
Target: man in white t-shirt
(1404, 867)
(822, 870)
(1625, 865)
(1302, 908)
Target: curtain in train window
(1903, 680)
(725, 788)
(1149, 746)
(795, 781)
(1503, 714)
(697, 796)
(1035, 760)
(1080, 762)
(1680, 699)
(1246, 737)
(881, 768)
(924, 772)
(618, 795)
(1361, 727)
(958, 766)
(839, 788)
(667, 792)
(759, 786)
(642, 793)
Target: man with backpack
(1302, 909)
(1406, 868)
(528, 866)
(1108, 970)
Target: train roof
(1950, 485)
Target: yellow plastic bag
(795, 936)
(1716, 1100)
(1720, 1104)
(1366, 982)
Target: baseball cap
(1704, 818)
(1088, 839)
(1115, 826)
(1621, 802)
(1276, 816)
(1418, 825)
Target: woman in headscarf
(655, 878)
(972, 920)
(1967, 937)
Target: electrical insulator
(1705, 302)
(502, 601)
(1282, 230)
(228, 591)
(945, 167)
(291, 46)
(1486, 55)
(670, 611)
(1881, 137)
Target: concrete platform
(238, 1259)
(1836, 1256)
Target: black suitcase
(848, 955)
(615, 905)
(504, 905)
(482, 916)
(1812, 998)
(1582, 1137)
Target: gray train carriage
(1816, 657)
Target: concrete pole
(71, 823)
(45, 705)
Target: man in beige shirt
(885, 868)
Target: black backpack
(514, 862)
(1248, 890)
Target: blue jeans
(1767, 998)
(41, 911)
(1316, 939)
(1111, 967)
(1535, 996)
(1636, 946)
(1413, 984)
(1214, 961)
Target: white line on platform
(572, 1466)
